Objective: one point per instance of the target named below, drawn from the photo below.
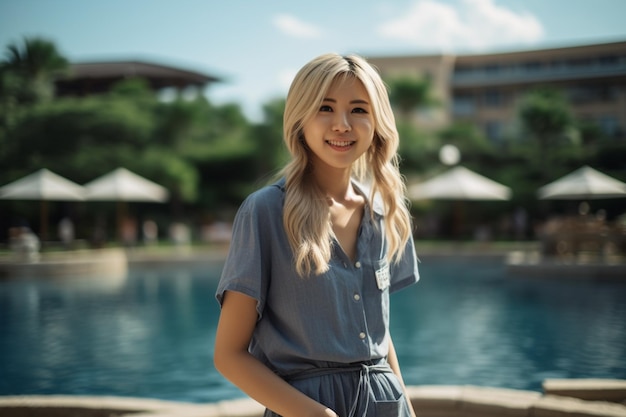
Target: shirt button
(357, 264)
(362, 335)
(357, 297)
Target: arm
(232, 359)
(395, 367)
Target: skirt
(355, 390)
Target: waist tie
(364, 387)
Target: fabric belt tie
(363, 389)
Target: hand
(325, 412)
(329, 413)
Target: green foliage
(408, 93)
(133, 88)
(547, 122)
(176, 122)
(545, 115)
(417, 149)
(34, 63)
(466, 137)
(35, 58)
(53, 131)
(170, 170)
(271, 152)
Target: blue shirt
(341, 316)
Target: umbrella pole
(43, 221)
(121, 218)
(458, 220)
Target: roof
(95, 77)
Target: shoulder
(269, 198)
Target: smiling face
(343, 127)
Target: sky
(256, 47)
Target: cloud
(295, 27)
(474, 24)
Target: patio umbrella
(583, 184)
(43, 185)
(459, 183)
(122, 185)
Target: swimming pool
(151, 334)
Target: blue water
(151, 335)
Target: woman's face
(343, 127)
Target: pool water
(152, 334)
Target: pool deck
(521, 259)
(532, 265)
(560, 398)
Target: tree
(268, 138)
(36, 63)
(409, 93)
(545, 118)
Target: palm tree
(36, 63)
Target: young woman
(304, 325)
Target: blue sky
(257, 46)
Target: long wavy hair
(306, 212)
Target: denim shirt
(339, 317)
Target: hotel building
(484, 89)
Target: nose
(341, 122)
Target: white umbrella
(123, 185)
(43, 185)
(582, 184)
(459, 183)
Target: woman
(304, 327)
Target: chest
(346, 223)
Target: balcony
(538, 71)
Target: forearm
(263, 385)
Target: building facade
(485, 89)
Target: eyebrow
(356, 101)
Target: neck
(336, 185)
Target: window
(493, 131)
(463, 105)
(493, 98)
(609, 125)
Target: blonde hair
(306, 213)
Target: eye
(359, 110)
(326, 108)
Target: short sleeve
(247, 266)
(405, 272)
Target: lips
(341, 143)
